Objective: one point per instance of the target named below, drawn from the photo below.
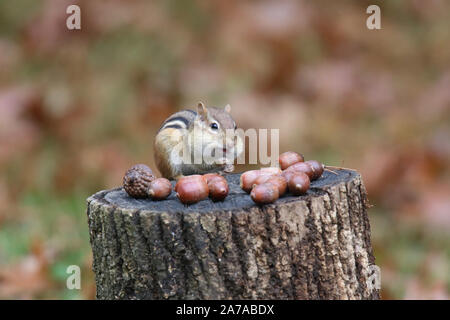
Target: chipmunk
(187, 134)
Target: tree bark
(315, 246)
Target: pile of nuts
(294, 175)
(194, 188)
(139, 182)
(265, 185)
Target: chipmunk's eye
(214, 126)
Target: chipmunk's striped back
(180, 120)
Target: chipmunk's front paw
(228, 168)
(176, 178)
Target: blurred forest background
(77, 108)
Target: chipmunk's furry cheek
(212, 141)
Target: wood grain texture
(315, 246)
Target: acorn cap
(137, 179)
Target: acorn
(299, 183)
(289, 158)
(218, 188)
(137, 179)
(280, 182)
(210, 176)
(262, 178)
(264, 193)
(248, 179)
(287, 174)
(187, 178)
(160, 189)
(302, 167)
(270, 170)
(192, 189)
(317, 168)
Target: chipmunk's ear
(202, 110)
(228, 108)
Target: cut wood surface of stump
(316, 246)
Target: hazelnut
(299, 183)
(191, 189)
(317, 168)
(264, 193)
(289, 158)
(137, 179)
(160, 189)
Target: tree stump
(315, 246)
